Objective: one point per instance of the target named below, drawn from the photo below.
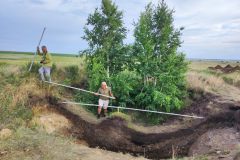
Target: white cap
(104, 83)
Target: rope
(78, 89)
(135, 109)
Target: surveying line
(135, 109)
(78, 89)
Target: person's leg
(105, 105)
(47, 71)
(99, 110)
(41, 70)
(100, 102)
(105, 112)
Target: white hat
(104, 83)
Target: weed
(228, 80)
(36, 110)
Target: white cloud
(211, 27)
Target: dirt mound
(52, 122)
(237, 68)
(226, 69)
(113, 133)
(218, 67)
(212, 68)
(228, 66)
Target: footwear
(98, 117)
(105, 115)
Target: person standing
(103, 101)
(46, 63)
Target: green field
(21, 58)
(32, 53)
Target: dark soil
(113, 134)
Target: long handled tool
(134, 109)
(36, 51)
(78, 89)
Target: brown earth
(113, 133)
(218, 67)
(228, 66)
(226, 69)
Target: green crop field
(32, 53)
(21, 58)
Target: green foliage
(72, 73)
(106, 55)
(106, 37)
(3, 63)
(155, 77)
(122, 85)
(35, 67)
(159, 64)
(228, 80)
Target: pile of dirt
(113, 134)
(228, 66)
(52, 122)
(218, 67)
(237, 68)
(226, 69)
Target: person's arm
(96, 94)
(110, 91)
(48, 58)
(112, 95)
(39, 53)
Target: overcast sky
(212, 27)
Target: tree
(106, 55)
(144, 46)
(105, 39)
(158, 62)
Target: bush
(72, 72)
(35, 67)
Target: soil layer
(113, 133)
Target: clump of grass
(203, 82)
(228, 80)
(122, 115)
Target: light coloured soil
(222, 143)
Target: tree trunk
(108, 66)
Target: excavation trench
(113, 134)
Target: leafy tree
(144, 46)
(106, 56)
(105, 38)
(158, 62)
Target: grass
(32, 141)
(28, 142)
(204, 64)
(203, 82)
(32, 53)
(22, 59)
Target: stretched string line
(135, 109)
(78, 89)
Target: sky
(212, 27)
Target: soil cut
(113, 133)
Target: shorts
(103, 103)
